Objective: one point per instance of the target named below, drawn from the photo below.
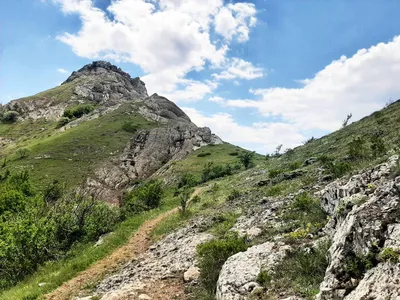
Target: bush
(184, 200)
(22, 152)
(234, 194)
(300, 272)
(187, 180)
(130, 127)
(377, 145)
(246, 159)
(294, 165)
(33, 231)
(234, 153)
(53, 192)
(145, 197)
(211, 171)
(273, 173)
(357, 149)
(10, 116)
(203, 154)
(78, 111)
(212, 255)
(62, 122)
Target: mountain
(125, 136)
(197, 218)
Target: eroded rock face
(365, 220)
(147, 152)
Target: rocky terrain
(321, 221)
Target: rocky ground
(364, 224)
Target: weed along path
(137, 244)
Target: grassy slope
(71, 155)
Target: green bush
(234, 153)
(22, 153)
(294, 165)
(211, 171)
(378, 147)
(10, 116)
(203, 154)
(234, 194)
(247, 158)
(357, 149)
(63, 121)
(300, 272)
(187, 180)
(78, 111)
(145, 197)
(33, 231)
(335, 168)
(273, 173)
(130, 127)
(212, 255)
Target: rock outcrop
(365, 222)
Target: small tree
(10, 116)
(346, 121)
(246, 159)
(184, 199)
(278, 149)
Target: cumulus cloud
(62, 71)
(166, 38)
(262, 137)
(359, 85)
(239, 68)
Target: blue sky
(259, 73)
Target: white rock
(191, 274)
(144, 297)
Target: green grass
(55, 273)
(72, 155)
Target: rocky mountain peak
(105, 83)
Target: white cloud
(166, 38)
(217, 99)
(62, 71)
(234, 20)
(239, 68)
(359, 85)
(262, 137)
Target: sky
(259, 73)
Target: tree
(10, 116)
(246, 159)
(184, 199)
(278, 149)
(346, 121)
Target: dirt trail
(137, 244)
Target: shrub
(335, 168)
(273, 173)
(301, 271)
(203, 154)
(53, 192)
(184, 200)
(247, 158)
(145, 197)
(294, 165)
(377, 145)
(234, 194)
(389, 254)
(130, 127)
(78, 111)
(22, 152)
(211, 171)
(187, 180)
(234, 153)
(305, 213)
(357, 149)
(62, 122)
(212, 255)
(355, 264)
(10, 116)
